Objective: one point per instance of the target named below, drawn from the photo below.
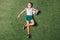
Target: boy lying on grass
(29, 17)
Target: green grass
(48, 20)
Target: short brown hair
(31, 4)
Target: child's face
(29, 5)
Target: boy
(29, 17)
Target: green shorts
(28, 17)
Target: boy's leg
(32, 22)
(28, 27)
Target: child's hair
(31, 4)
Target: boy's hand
(18, 16)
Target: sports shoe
(28, 35)
(24, 27)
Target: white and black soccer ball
(35, 12)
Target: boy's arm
(21, 12)
(34, 9)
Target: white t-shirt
(29, 11)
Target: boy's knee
(33, 23)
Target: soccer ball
(35, 12)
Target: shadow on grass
(39, 12)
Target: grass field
(48, 21)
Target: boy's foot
(28, 35)
(24, 27)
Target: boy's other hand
(18, 16)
